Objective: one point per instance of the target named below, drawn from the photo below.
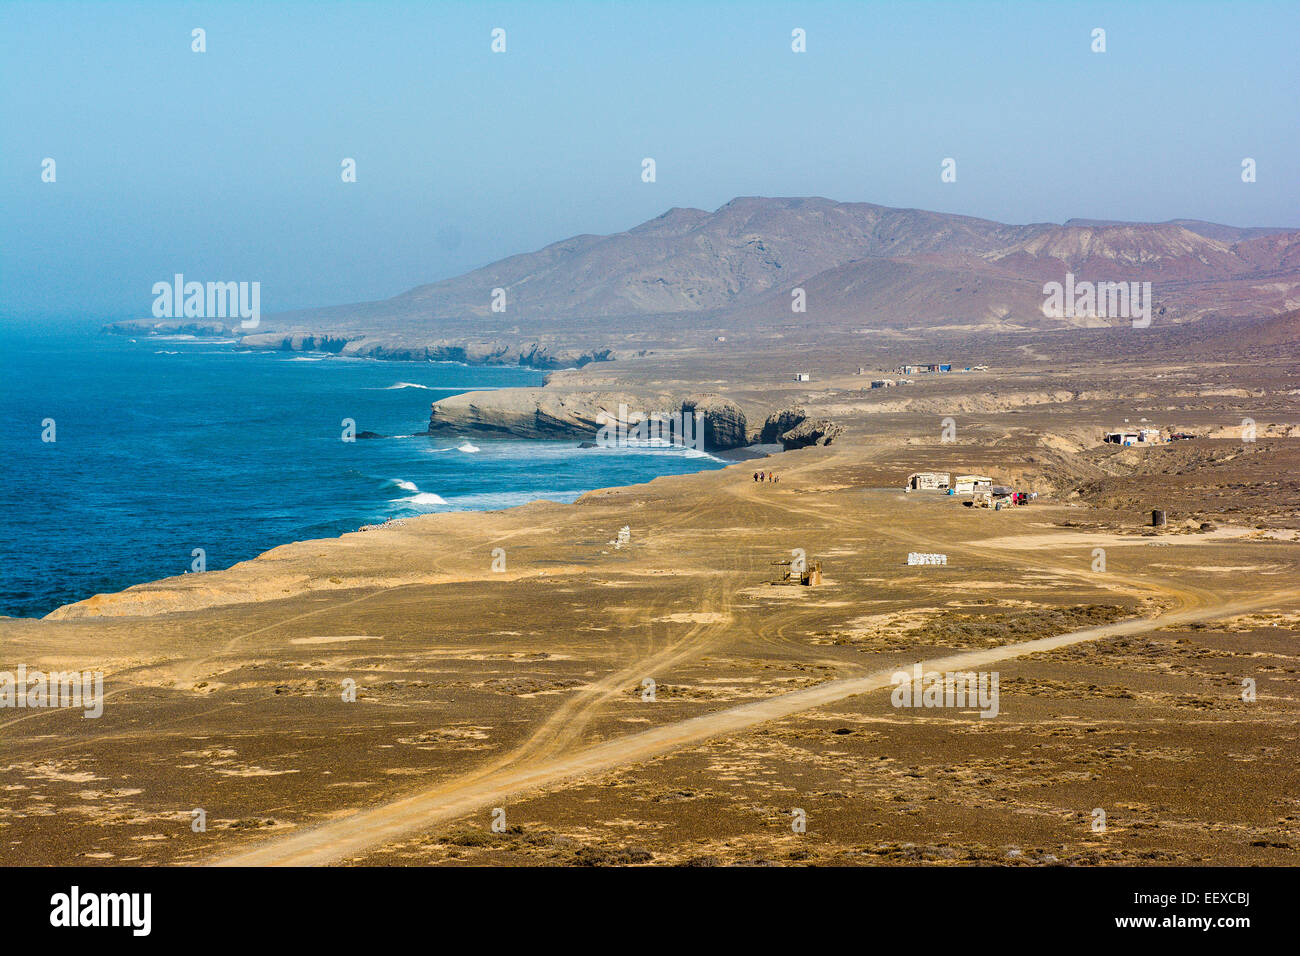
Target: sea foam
(425, 499)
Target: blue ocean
(167, 444)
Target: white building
(1142, 436)
(927, 481)
(971, 484)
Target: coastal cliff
(399, 348)
(524, 413)
(820, 431)
(168, 327)
(556, 413)
(390, 347)
(545, 413)
(551, 413)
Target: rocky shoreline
(147, 327)
(386, 347)
(395, 348)
(536, 413)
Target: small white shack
(972, 484)
(1141, 436)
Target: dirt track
(352, 835)
(547, 757)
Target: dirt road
(352, 835)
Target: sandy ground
(521, 696)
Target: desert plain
(529, 691)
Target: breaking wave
(424, 499)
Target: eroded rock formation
(821, 431)
(724, 421)
(781, 422)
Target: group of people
(766, 476)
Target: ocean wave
(467, 448)
(481, 501)
(436, 388)
(424, 499)
(403, 484)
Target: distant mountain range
(860, 266)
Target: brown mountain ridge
(860, 265)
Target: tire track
(353, 835)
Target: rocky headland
(557, 412)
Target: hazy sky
(225, 165)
